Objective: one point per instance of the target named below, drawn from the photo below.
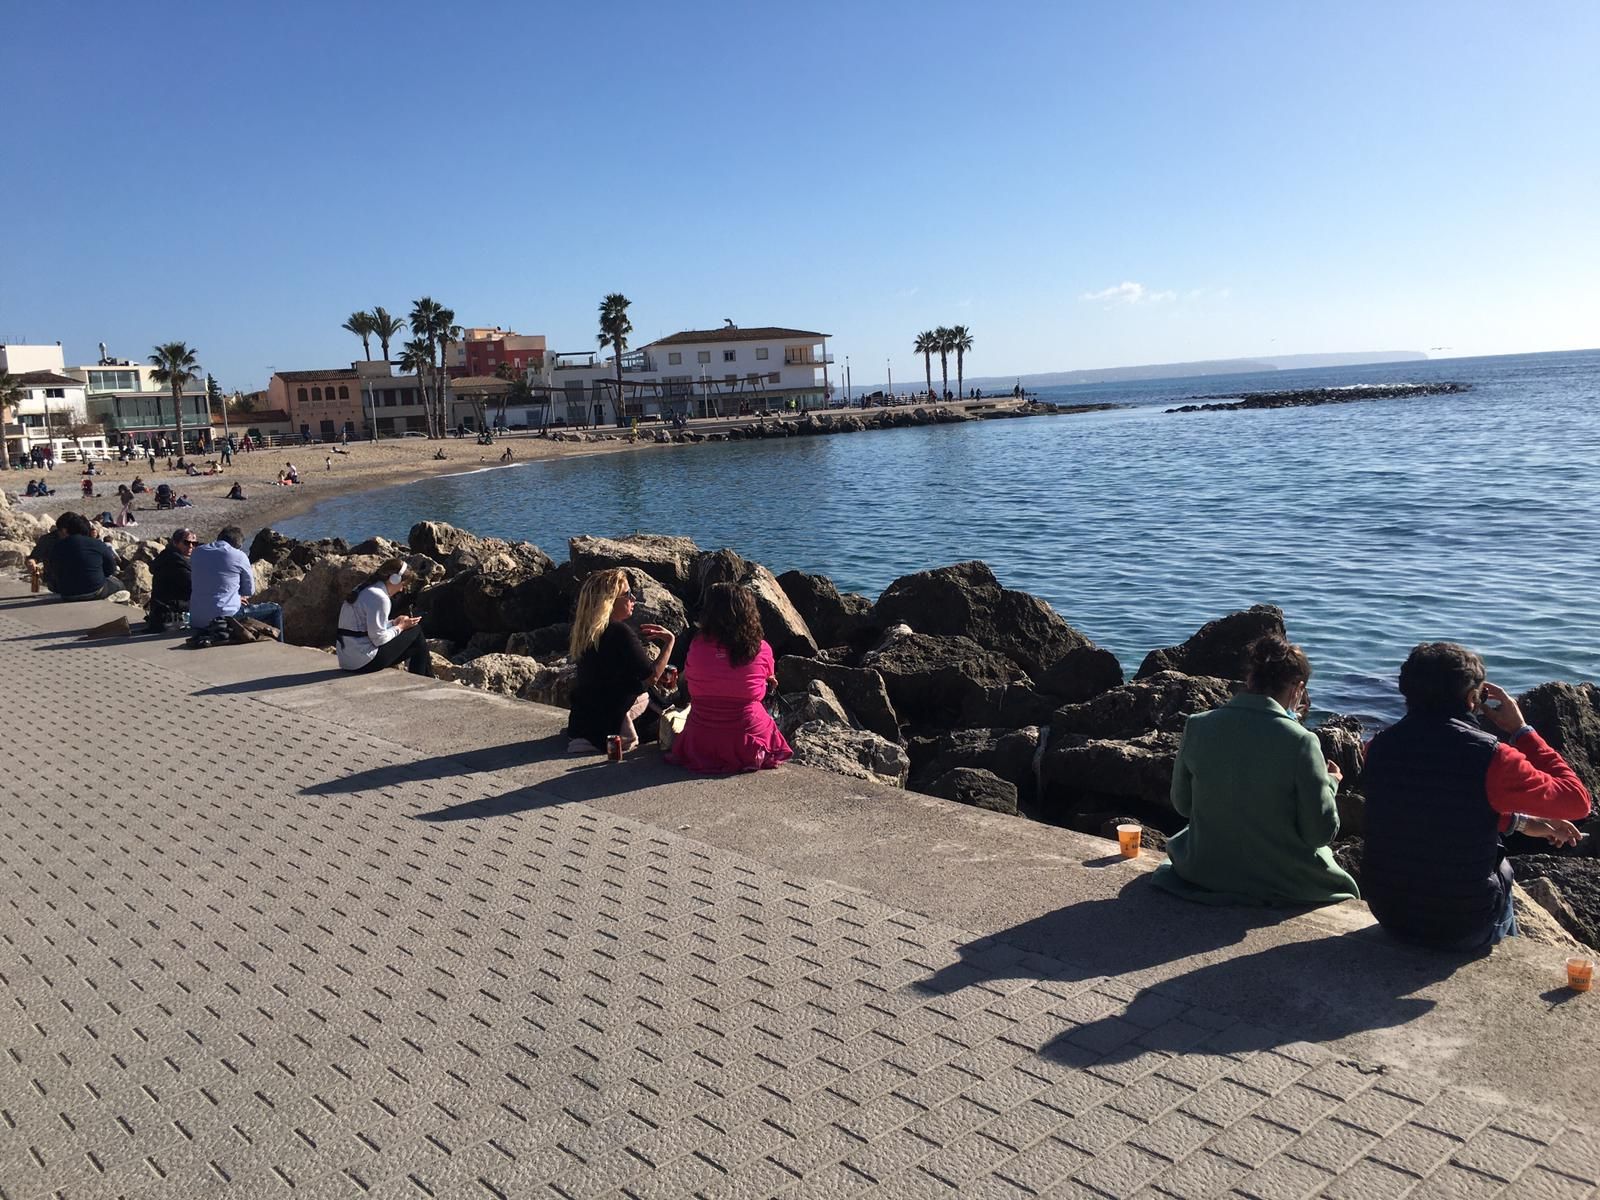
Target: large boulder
(1577, 882)
(858, 753)
(136, 577)
(834, 618)
(977, 787)
(512, 591)
(550, 641)
(941, 682)
(1568, 717)
(1081, 674)
(781, 623)
(1342, 745)
(669, 561)
(657, 605)
(1161, 702)
(1219, 647)
(439, 540)
(1093, 775)
(270, 546)
(817, 703)
(1006, 753)
(311, 601)
(966, 600)
(14, 554)
(521, 677)
(860, 689)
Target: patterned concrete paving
(222, 973)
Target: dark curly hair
(1274, 664)
(1437, 676)
(728, 617)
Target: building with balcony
(51, 411)
(124, 398)
(481, 351)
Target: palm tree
(176, 366)
(614, 330)
(386, 328)
(10, 397)
(943, 346)
(960, 342)
(435, 327)
(926, 345)
(360, 324)
(416, 355)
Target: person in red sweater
(1441, 789)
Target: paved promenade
(268, 931)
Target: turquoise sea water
(1373, 525)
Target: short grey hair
(180, 534)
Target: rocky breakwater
(1311, 397)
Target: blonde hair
(595, 601)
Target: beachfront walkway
(267, 931)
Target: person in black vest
(170, 581)
(1441, 789)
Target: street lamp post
(889, 366)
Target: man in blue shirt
(221, 575)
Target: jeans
(272, 614)
(110, 587)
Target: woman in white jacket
(368, 639)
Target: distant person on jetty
(222, 579)
(727, 673)
(170, 581)
(80, 566)
(1441, 789)
(368, 639)
(1258, 794)
(614, 671)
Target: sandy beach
(367, 465)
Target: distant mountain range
(1212, 366)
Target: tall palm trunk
(961, 387)
(177, 408)
(927, 368)
(618, 405)
(944, 372)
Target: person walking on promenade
(614, 671)
(222, 580)
(727, 673)
(1441, 789)
(1258, 794)
(369, 640)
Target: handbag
(672, 723)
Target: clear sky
(1083, 185)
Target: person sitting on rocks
(170, 581)
(368, 639)
(727, 673)
(1441, 790)
(221, 578)
(82, 567)
(614, 671)
(1258, 794)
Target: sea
(1374, 525)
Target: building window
(761, 352)
(344, 392)
(55, 393)
(729, 355)
(302, 395)
(773, 378)
(704, 356)
(316, 395)
(674, 358)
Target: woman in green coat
(1258, 794)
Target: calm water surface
(1373, 525)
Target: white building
(122, 396)
(51, 410)
(699, 372)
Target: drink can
(614, 748)
(669, 678)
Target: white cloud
(1128, 292)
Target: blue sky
(1083, 185)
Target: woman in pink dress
(727, 673)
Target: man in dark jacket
(170, 581)
(82, 567)
(1441, 789)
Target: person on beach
(1441, 789)
(236, 492)
(81, 566)
(369, 640)
(290, 474)
(614, 671)
(727, 673)
(222, 579)
(1258, 794)
(506, 456)
(170, 581)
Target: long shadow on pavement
(267, 683)
(587, 779)
(446, 766)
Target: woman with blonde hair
(614, 669)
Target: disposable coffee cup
(1128, 840)
(1580, 973)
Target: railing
(795, 359)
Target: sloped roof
(308, 376)
(732, 333)
(47, 379)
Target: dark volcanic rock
(941, 682)
(781, 623)
(508, 594)
(965, 600)
(1568, 717)
(270, 546)
(859, 689)
(1083, 775)
(547, 642)
(977, 787)
(1151, 839)
(1219, 647)
(1006, 753)
(1081, 674)
(1341, 744)
(1309, 397)
(1578, 882)
(834, 618)
(1161, 702)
